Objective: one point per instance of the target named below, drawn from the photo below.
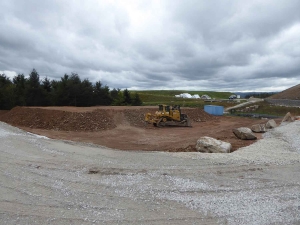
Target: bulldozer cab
(164, 108)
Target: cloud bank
(136, 44)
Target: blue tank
(214, 110)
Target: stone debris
(212, 145)
(244, 133)
(271, 124)
(258, 128)
(288, 118)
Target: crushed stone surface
(46, 181)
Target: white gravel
(46, 181)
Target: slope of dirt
(292, 93)
(2, 112)
(124, 128)
(86, 119)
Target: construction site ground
(121, 127)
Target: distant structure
(205, 97)
(196, 96)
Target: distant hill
(292, 93)
(254, 94)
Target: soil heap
(87, 119)
(292, 93)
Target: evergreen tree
(69, 90)
(117, 97)
(86, 93)
(74, 90)
(6, 93)
(127, 97)
(46, 84)
(20, 82)
(136, 99)
(61, 92)
(47, 92)
(101, 94)
(34, 95)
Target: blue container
(214, 110)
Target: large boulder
(244, 133)
(212, 145)
(271, 124)
(258, 128)
(288, 118)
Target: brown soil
(123, 127)
(290, 93)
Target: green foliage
(266, 108)
(117, 97)
(126, 97)
(101, 94)
(136, 99)
(6, 92)
(71, 90)
(19, 90)
(33, 90)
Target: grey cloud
(216, 45)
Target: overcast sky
(230, 45)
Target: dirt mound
(198, 115)
(292, 93)
(97, 119)
(59, 120)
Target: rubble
(244, 133)
(212, 145)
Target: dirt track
(123, 127)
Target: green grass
(155, 97)
(266, 108)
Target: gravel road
(45, 181)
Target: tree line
(70, 90)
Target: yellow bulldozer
(168, 116)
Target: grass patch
(155, 97)
(268, 109)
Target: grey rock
(258, 128)
(212, 145)
(244, 133)
(271, 124)
(288, 118)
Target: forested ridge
(70, 90)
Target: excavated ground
(123, 127)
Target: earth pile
(100, 118)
